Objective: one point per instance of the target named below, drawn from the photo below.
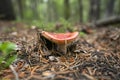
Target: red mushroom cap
(60, 38)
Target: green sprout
(6, 54)
(82, 34)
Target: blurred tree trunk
(52, 10)
(34, 6)
(94, 13)
(6, 10)
(41, 1)
(117, 8)
(66, 9)
(21, 8)
(80, 10)
(55, 11)
(49, 10)
(110, 8)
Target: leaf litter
(93, 57)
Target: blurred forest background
(81, 11)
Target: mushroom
(62, 40)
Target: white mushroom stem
(62, 48)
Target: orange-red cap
(60, 38)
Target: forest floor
(95, 56)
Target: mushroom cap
(60, 38)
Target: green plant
(82, 34)
(51, 26)
(65, 25)
(43, 25)
(6, 54)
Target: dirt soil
(94, 56)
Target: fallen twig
(14, 72)
(107, 21)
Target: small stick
(64, 77)
(32, 72)
(89, 76)
(14, 72)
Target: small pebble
(48, 74)
(33, 27)
(14, 33)
(51, 58)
